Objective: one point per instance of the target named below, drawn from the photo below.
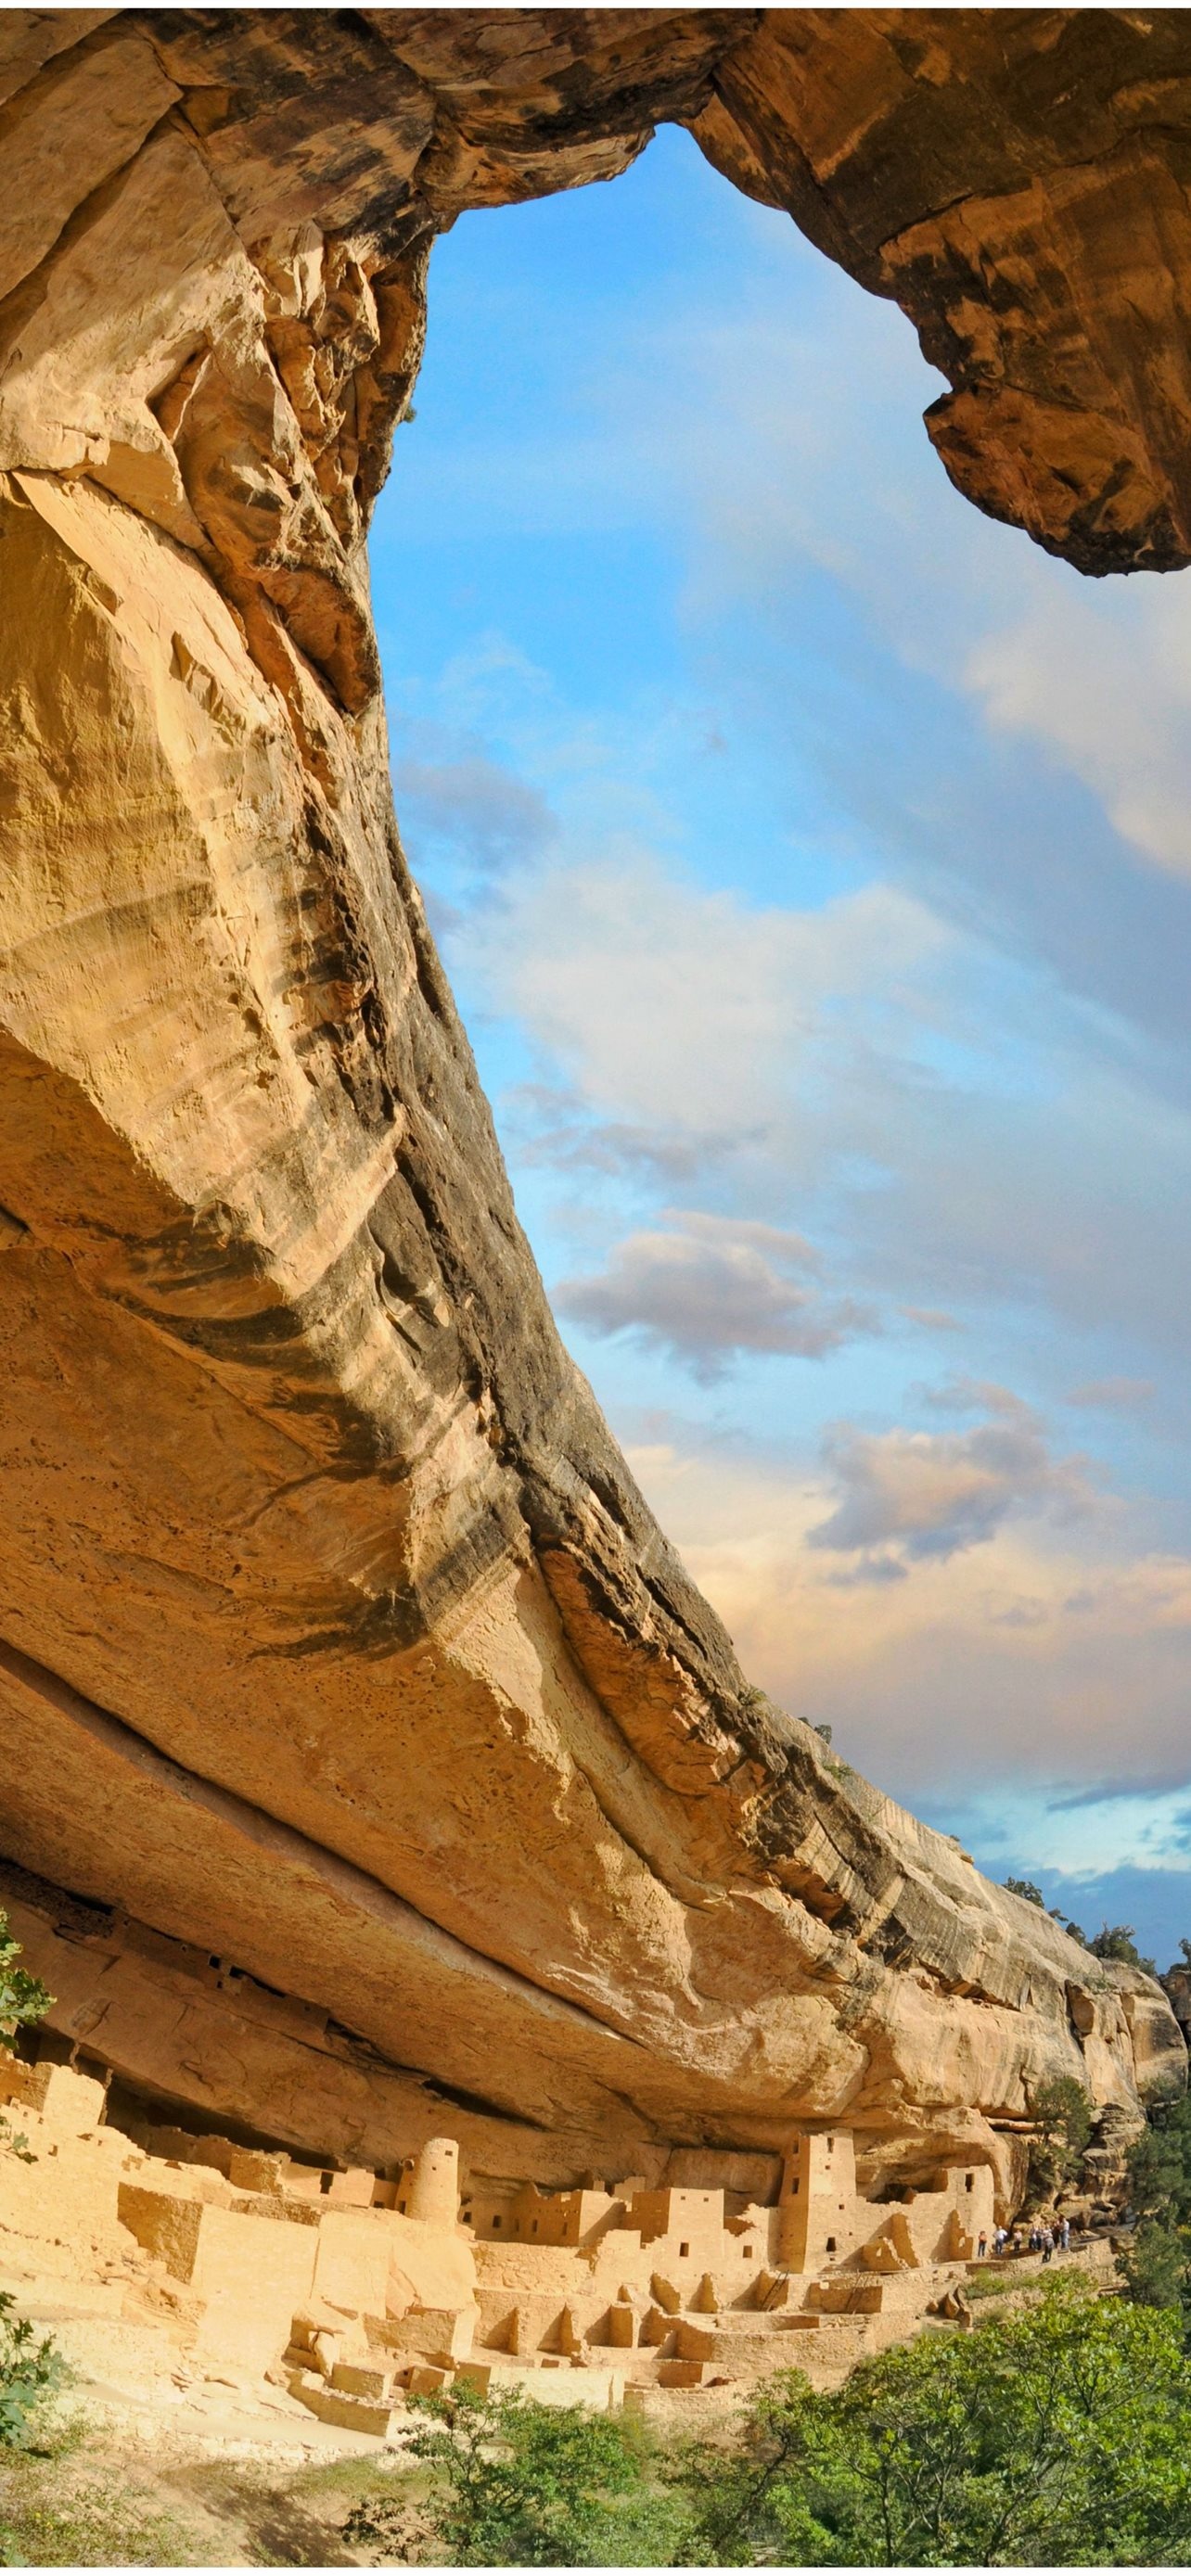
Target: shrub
(29, 2373)
(389, 2523)
(22, 1998)
(99, 2523)
(514, 2484)
(1032, 1894)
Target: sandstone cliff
(341, 1652)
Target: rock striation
(341, 1652)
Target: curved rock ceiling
(380, 1739)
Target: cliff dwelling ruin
(351, 2289)
(373, 1775)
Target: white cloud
(685, 1009)
(849, 1064)
(706, 1288)
(784, 433)
(1103, 680)
(933, 1494)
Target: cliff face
(340, 1649)
(1017, 180)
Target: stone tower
(434, 2183)
(817, 2208)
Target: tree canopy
(1054, 2437)
(516, 2484)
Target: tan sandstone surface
(385, 1752)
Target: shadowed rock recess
(366, 1749)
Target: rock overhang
(340, 1642)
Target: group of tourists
(1042, 2238)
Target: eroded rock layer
(340, 1647)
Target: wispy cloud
(1105, 687)
(847, 1055)
(1113, 1394)
(475, 810)
(553, 1127)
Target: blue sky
(812, 861)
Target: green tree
(1156, 2264)
(1115, 1941)
(1159, 2165)
(30, 2370)
(1054, 2437)
(516, 2484)
(1062, 2117)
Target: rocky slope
(340, 1649)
